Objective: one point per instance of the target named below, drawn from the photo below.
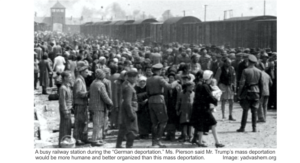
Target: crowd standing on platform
(151, 90)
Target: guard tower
(58, 16)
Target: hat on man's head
(122, 75)
(264, 55)
(116, 60)
(252, 58)
(231, 56)
(142, 78)
(81, 66)
(157, 66)
(207, 74)
(100, 74)
(132, 73)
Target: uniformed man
(250, 92)
(156, 102)
(128, 118)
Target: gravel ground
(266, 137)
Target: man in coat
(250, 92)
(99, 100)
(156, 103)
(45, 72)
(263, 106)
(80, 103)
(65, 106)
(128, 118)
(205, 60)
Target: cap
(252, 58)
(158, 66)
(132, 73)
(100, 73)
(231, 55)
(264, 55)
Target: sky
(215, 8)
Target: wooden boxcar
(173, 28)
(253, 32)
(156, 32)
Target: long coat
(171, 97)
(129, 108)
(45, 69)
(98, 96)
(202, 118)
(185, 106)
(144, 120)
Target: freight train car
(173, 29)
(141, 29)
(156, 32)
(258, 31)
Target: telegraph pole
(183, 13)
(225, 14)
(264, 7)
(205, 12)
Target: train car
(128, 30)
(156, 32)
(141, 29)
(118, 30)
(253, 32)
(173, 28)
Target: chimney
(35, 14)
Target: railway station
(116, 77)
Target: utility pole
(264, 7)
(183, 13)
(225, 14)
(144, 15)
(205, 12)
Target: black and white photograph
(155, 74)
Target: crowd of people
(151, 90)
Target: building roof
(45, 20)
(144, 21)
(180, 20)
(58, 5)
(251, 18)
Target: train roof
(251, 18)
(181, 20)
(124, 22)
(144, 21)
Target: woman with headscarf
(202, 118)
(144, 121)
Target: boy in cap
(80, 103)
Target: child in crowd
(216, 93)
(184, 108)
